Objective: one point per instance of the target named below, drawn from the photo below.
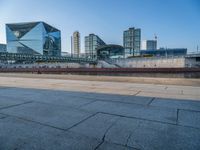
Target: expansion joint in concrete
(16, 105)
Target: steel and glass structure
(2, 47)
(92, 42)
(132, 41)
(164, 52)
(149, 44)
(110, 51)
(36, 38)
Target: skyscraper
(76, 43)
(149, 45)
(92, 42)
(33, 38)
(132, 41)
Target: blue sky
(175, 22)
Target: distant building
(110, 51)
(2, 47)
(92, 42)
(132, 41)
(76, 43)
(149, 44)
(37, 38)
(164, 52)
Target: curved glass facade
(33, 38)
(110, 51)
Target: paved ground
(52, 114)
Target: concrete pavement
(53, 114)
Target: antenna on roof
(155, 37)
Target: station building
(36, 38)
(110, 51)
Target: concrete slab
(7, 102)
(57, 116)
(18, 134)
(109, 146)
(177, 104)
(2, 116)
(119, 98)
(96, 126)
(189, 118)
(134, 110)
(150, 135)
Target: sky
(175, 22)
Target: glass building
(2, 47)
(164, 52)
(37, 38)
(92, 42)
(132, 41)
(110, 51)
(149, 44)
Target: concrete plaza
(53, 114)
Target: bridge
(4, 56)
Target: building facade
(172, 52)
(76, 44)
(2, 47)
(149, 44)
(132, 41)
(92, 42)
(110, 51)
(37, 38)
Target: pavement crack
(149, 103)
(177, 114)
(15, 105)
(86, 104)
(137, 93)
(104, 136)
(82, 121)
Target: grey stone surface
(189, 118)
(134, 110)
(109, 146)
(96, 126)
(7, 102)
(83, 121)
(119, 98)
(178, 104)
(151, 135)
(16, 134)
(2, 116)
(57, 116)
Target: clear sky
(175, 22)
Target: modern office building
(76, 43)
(37, 38)
(110, 51)
(92, 42)
(164, 52)
(132, 41)
(149, 44)
(2, 47)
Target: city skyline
(174, 22)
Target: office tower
(76, 43)
(92, 42)
(37, 38)
(149, 45)
(132, 41)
